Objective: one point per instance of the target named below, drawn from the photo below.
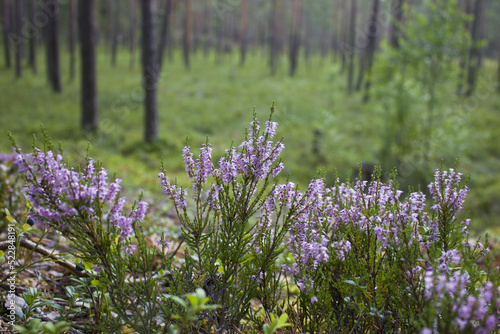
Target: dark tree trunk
(498, 79)
(115, 34)
(207, 35)
(274, 42)
(72, 38)
(352, 41)
(19, 40)
(474, 53)
(464, 55)
(87, 30)
(295, 35)
(186, 45)
(7, 29)
(32, 38)
(165, 31)
(150, 71)
(372, 46)
(343, 31)
(397, 20)
(133, 27)
(52, 40)
(243, 31)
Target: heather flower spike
(68, 200)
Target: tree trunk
(498, 79)
(372, 46)
(52, 40)
(207, 31)
(187, 35)
(133, 27)
(87, 29)
(32, 37)
(397, 19)
(243, 31)
(115, 35)
(150, 71)
(72, 38)
(274, 37)
(352, 41)
(474, 52)
(464, 55)
(6, 31)
(165, 31)
(18, 8)
(295, 35)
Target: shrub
(353, 257)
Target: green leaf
(351, 282)
(177, 299)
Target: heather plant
(356, 257)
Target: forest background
(396, 83)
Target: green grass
(218, 100)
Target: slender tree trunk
(150, 71)
(115, 35)
(52, 40)
(32, 37)
(274, 37)
(207, 25)
(498, 78)
(352, 41)
(133, 27)
(19, 4)
(243, 31)
(187, 35)
(343, 35)
(372, 46)
(72, 38)
(7, 29)
(165, 31)
(295, 35)
(87, 30)
(464, 55)
(397, 20)
(474, 53)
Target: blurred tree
(351, 46)
(243, 31)
(115, 30)
(187, 34)
(7, 29)
(165, 30)
(132, 30)
(474, 52)
(51, 7)
(397, 20)
(150, 71)
(464, 56)
(274, 40)
(32, 37)
(295, 35)
(72, 38)
(373, 34)
(19, 36)
(87, 31)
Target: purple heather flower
(60, 196)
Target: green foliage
(415, 85)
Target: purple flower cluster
(448, 195)
(62, 197)
(449, 290)
(255, 159)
